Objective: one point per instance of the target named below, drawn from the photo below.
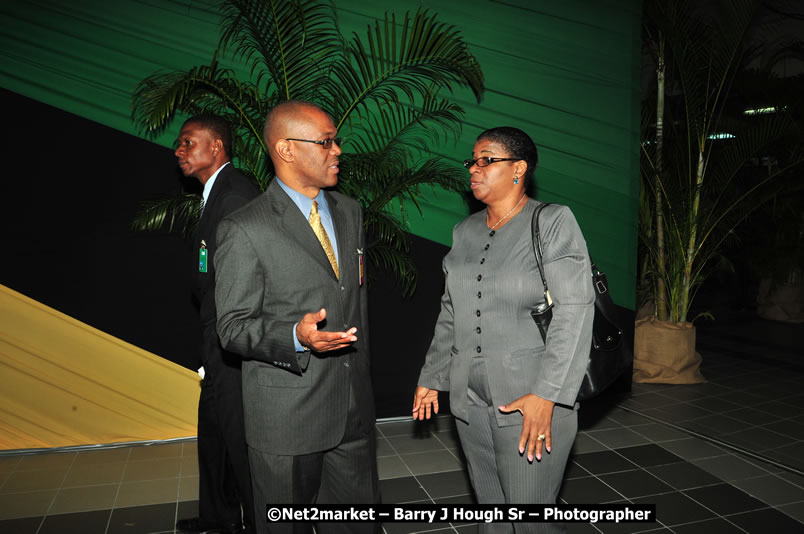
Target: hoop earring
(516, 179)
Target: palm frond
(158, 98)
(423, 54)
(399, 132)
(289, 44)
(168, 213)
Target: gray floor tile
(401, 490)
(636, 483)
(658, 432)
(693, 448)
(411, 444)
(392, 467)
(649, 455)
(684, 475)
(422, 463)
(603, 462)
(446, 484)
(771, 489)
(586, 443)
(729, 467)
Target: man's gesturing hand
(309, 336)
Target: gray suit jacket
(492, 284)
(270, 271)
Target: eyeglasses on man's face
(485, 162)
(326, 144)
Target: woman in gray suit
(512, 394)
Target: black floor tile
(676, 508)
(399, 490)
(752, 416)
(143, 519)
(83, 522)
(405, 528)
(770, 440)
(716, 404)
(23, 525)
(637, 483)
(712, 526)
(684, 475)
(788, 428)
(631, 528)
(601, 462)
(581, 528)
(649, 455)
(725, 499)
(587, 490)
(767, 521)
(187, 509)
(780, 409)
(574, 470)
(446, 484)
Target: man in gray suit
(292, 303)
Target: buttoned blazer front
(492, 284)
(270, 271)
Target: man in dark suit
(204, 152)
(291, 301)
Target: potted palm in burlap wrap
(698, 183)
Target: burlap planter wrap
(664, 353)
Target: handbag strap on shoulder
(537, 248)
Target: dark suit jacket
(272, 270)
(230, 191)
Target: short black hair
(218, 126)
(517, 143)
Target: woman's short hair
(517, 143)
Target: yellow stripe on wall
(65, 383)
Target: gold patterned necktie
(321, 234)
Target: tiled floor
(673, 446)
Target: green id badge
(202, 258)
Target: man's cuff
(299, 346)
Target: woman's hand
(425, 401)
(537, 414)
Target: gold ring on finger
(540, 437)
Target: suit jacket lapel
(341, 224)
(298, 227)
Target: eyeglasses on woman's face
(484, 161)
(326, 144)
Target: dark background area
(71, 189)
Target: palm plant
(697, 166)
(384, 92)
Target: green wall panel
(567, 72)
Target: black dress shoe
(197, 525)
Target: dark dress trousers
(309, 417)
(224, 476)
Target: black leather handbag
(605, 360)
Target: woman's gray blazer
(492, 284)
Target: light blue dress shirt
(305, 205)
